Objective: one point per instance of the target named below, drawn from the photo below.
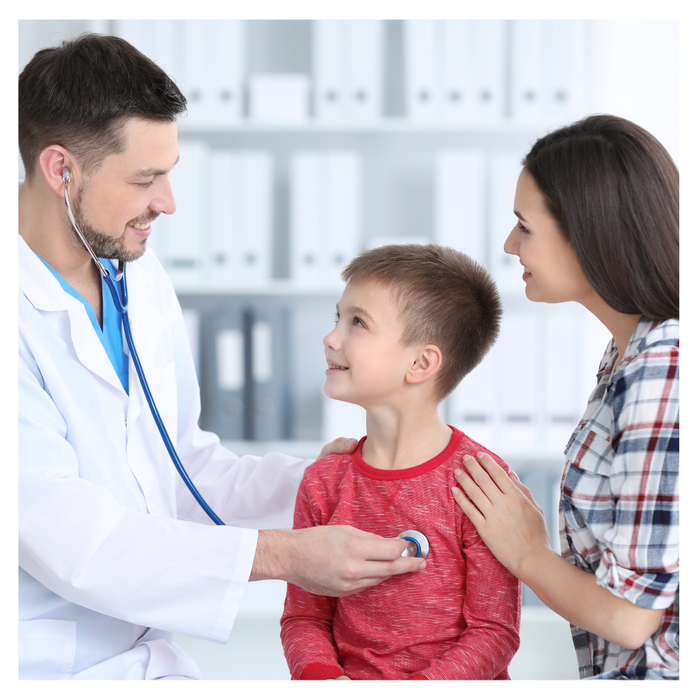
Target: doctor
(115, 555)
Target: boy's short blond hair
(444, 297)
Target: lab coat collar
(45, 293)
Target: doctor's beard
(102, 244)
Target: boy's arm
(307, 621)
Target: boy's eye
(337, 317)
(357, 322)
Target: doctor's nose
(165, 201)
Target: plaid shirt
(618, 512)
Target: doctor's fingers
(378, 571)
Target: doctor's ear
(425, 365)
(52, 161)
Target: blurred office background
(308, 141)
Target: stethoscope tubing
(120, 298)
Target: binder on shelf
(195, 82)
(527, 70)
(224, 373)
(487, 69)
(347, 60)
(564, 403)
(279, 98)
(473, 405)
(503, 172)
(241, 205)
(421, 69)
(225, 206)
(342, 419)
(305, 220)
(459, 202)
(521, 372)
(270, 392)
(365, 54)
(229, 66)
(329, 90)
(342, 207)
(455, 71)
(565, 66)
(186, 232)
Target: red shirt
(457, 619)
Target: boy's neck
(399, 441)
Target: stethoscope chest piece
(418, 545)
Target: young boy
(412, 322)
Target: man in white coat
(115, 554)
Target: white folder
(565, 68)
(521, 380)
(341, 204)
(224, 205)
(329, 70)
(487, 64)
(305, 220)
(460, 201)
(241, 204)
(195, 80)
(253, 258)
(455, 35)
(503, 171)
(365, 53)
(228, 71)
(527, 70)
(421, 69)
(188, 229)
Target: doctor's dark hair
(613, 190)
(79, 95)
(443, 296)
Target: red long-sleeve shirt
(457, 619)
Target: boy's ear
(425, 365)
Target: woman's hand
(503, 511)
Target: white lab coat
(113, 549)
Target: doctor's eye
(522, 228)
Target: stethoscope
(121, 302)
(417, 546)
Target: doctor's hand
(503, 511)
(339, 446)
(331, 560)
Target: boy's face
(367, 362)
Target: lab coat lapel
(46, 294)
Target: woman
(597, 210)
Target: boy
(412, 322)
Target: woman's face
(552, 270)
